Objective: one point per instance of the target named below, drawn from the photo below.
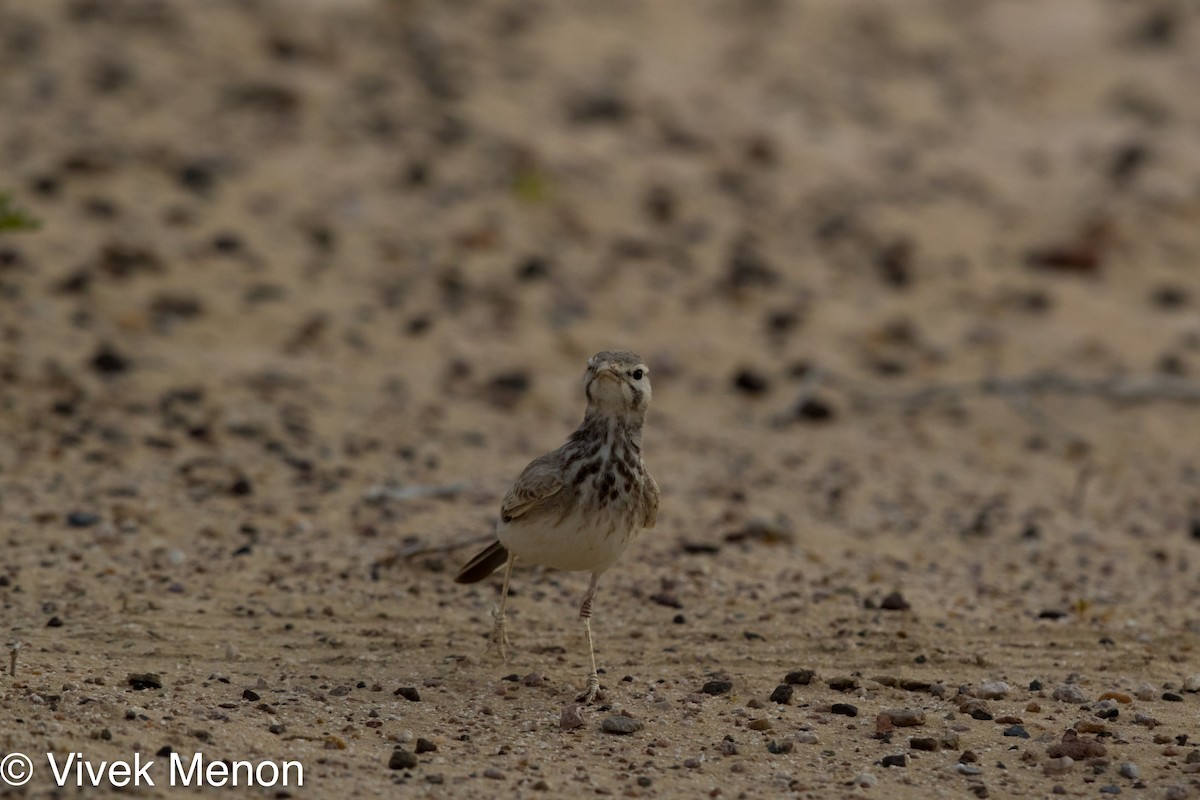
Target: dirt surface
(919, 290)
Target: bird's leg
(585, 613)
(499, 638)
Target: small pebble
(1077, 748)
(402, 759)
(727, 747)
(865, 780)
(1177, 792)
(144, 680)
(967, 769)
(927, 743)
(1128, 770)
(250, 694)
(760, 725)
(408, 693)
(82, 519)
(1120, 697)
(776, 748)
(570, 719)
(425, 746)
(1110, 789)
(533, 679)
(1145, 691)
(1069, 693)
(1192, 683)
(1018, 731)
(1058, 766)
(620, 725)
(782, 694)
(494, 774)
(1171, 697)
(807, 737)
(992, 690)
(894, 601)
(845, 709)
(906, 717)
(900, 760)
(801, 677)
(717, 687)
(843, 683)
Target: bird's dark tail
(492, 558)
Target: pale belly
(577, 545)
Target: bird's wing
(539, 481)
(650, 495)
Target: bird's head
(617, 383)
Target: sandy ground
(314, 281)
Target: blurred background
(293, 252)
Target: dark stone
(814, 409)
(408, 693)
(402, 759)
(141, 681)
(54, 622)
(845, 709)
(801, 677)
(425, 746)
(1170, 298)
(1017, 731)
(900, 760)
(620, 725)
(750, 381)
(1172, 697)
(782, 694)
(894, 262)
(927, 743)
(82, 519)
(108, 361)
(533, 268)
(250, 694)
(843, 683)
(894, 601)
(775, 748)
(717, 687)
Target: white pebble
(807, 737)
(1129, 770)
(1145, 691)
(1058, 766)
(1069, 693)
(1192, 683)
(992, 690)
(864, 779)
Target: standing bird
(577, 507)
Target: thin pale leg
(585, 613)
(499, 638)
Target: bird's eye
(638, 373)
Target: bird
(578, 507)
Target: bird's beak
(608, 372)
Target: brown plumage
(578, 507)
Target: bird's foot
(499, 638)
(592, 692)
